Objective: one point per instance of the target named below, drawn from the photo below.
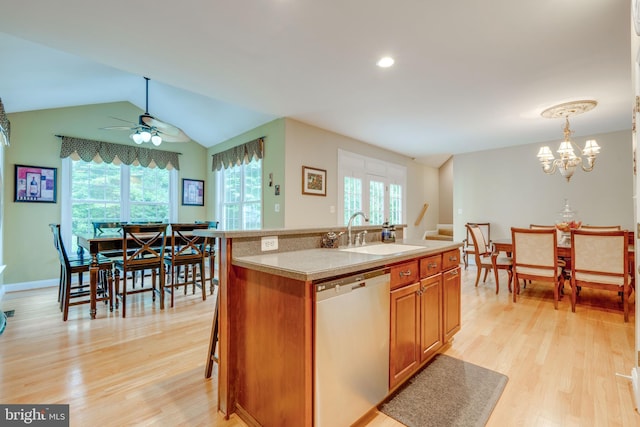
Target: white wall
(508, 188)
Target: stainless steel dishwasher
(351, 347)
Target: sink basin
(383, 249)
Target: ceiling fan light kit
(151, 129)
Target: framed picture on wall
(35, 184)
(192, 192)
(314, 181)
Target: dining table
(564, 252)
(95, 244)
(104, 242)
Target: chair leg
(66, 295)
(479, 268)
(203, 280)
(486, 273)
(465, 259)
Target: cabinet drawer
(403, 274)
(430, 265)
(450, 259)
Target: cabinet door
(451, 302)
(404, 349)
(431, 334)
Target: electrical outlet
(269, 243)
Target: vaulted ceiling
(468, 75)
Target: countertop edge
(364, 262)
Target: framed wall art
(35, 184)
(314, 181)
(192, 192)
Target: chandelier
(568, 161)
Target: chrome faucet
(349, 225)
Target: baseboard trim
(26, 286)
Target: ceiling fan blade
(118, 128)
(123, 120)
(167, 131)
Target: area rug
(446, 392)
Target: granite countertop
(320, 264)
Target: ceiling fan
(151, 129)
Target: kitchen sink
(382, 249)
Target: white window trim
(365, 168)
(219, 209)
(65, 199)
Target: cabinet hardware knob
(405, 273)
(453, 258)
(454, 272)
(432, 265)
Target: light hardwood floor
(148, 369)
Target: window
(240, 196)
(106, 192)
(373, 186)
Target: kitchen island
(267, 315)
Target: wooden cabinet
(404, 351)
(425, 311)
(431, 331)
(416, 316)
(451, 306)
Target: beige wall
(508, 188)
(311, 146)
(445, 183)
(27, 238)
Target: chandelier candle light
(568, 161)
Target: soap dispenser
(386, 232)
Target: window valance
(5, 125)
(88, 150)
(243, 153)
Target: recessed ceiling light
(385, 62)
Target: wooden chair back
(99, 227)
(477, 239)
(211, 224)
(535, 258)
(186, 247)
(541, 227)
(599, 228)
(485, 229)
(600, 260)
(143, 246)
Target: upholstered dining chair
(187, 252)
(483, 253)
(535, 258)
(600, 261)
(70, 293)
(143, 248)
(468, 247)
(601, 227)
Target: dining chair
(535, 258)
(601, 228)
(186, 252)
(143, 247)
(483, 253)
(210, 255)
(55, 231)
(70, 293)
(468, 247)
(601, 261)
(100, 227)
